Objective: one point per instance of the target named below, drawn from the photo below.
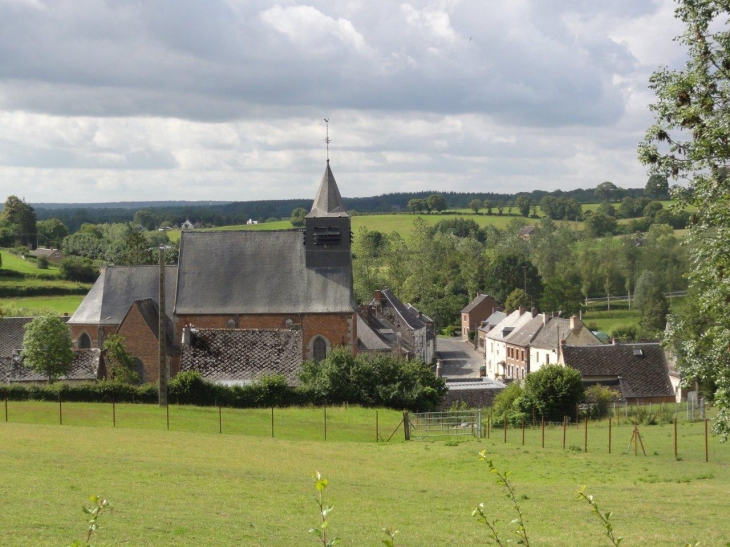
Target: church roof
(117, 287)
(328, 202)
(249, 272)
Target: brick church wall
(94, 332)
(140, 342)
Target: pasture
(183, 488)
(32, 305)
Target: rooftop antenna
(327, 140)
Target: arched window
(83, 341)
(139, 369)
(319, 349)
(231, 323)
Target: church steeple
(328, 201)
(327, 233)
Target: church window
(84, 341)
(327, 235)
(319, 349)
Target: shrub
(553, 391)
(42, 263)
(504, 405)
(601, 397)
(78, 269)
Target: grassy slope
(176, 488)
(15, 263)
(26, 306)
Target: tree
(47, 347)
(436, 202)
(489, 205)
(145, 219)
(20, 219)
(516, 299)
(51, 232)
(654, 312)
(606, 190)
(500, 207)
(416, 205)
(553, 392)
(562, 295)
(138, 250)
(523, 203)
(690, 140)
(646, 283)
(657, 187)
(510, 272)
(628, 259)
(297, 217)
(78, 269)
(475, 205)
(652, 209)
(121, 364)
(600, 225)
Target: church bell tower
(327, 227)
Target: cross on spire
(327, 140)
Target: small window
(84, 341)
(231, 323)
(327, 235)
(319, 349)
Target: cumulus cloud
(227, 96)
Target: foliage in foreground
(47, 347)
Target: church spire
(328, 202)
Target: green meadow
(179, 488)
(33, 305)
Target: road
(458, 359)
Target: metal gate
(459, 423)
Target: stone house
(475, 312)
(54, 256)
(639, 372)
(545, 347)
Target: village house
(545, 346)
(251, 282)
(475, 312)
(487, 325)
(639, 372)
(187, 225)
(495, 346)
(517, 347)
(54, 256)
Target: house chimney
(574, 324)
(522, 310)
(438, 368)
(556, 314)
(378, 297)
(534, 312)
(544, 319)
(186, 335)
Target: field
(34, 304)
(180, 488)
(619, 315)
(26, 266)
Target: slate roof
(328, 202)
(240, 356)
(556, 327)
(644, 375)
(117, 287)
(12, 331)
(511, 322)
(256, 272)
(150, 312)
(84, 367)
(524, 334)
(492, 320)
(474, 303)
(368, 338)
(43, 251)
(411, 319)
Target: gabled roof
(411, 319)
(645, 375)
(525, 333)
(256, 272)
(12, 332)
(328, 202)
(368, 338)
(474, 303)
(559, 328)
(150, 312)
(513, 321)
(42, 251)
(241, 356)
(492, 320)
(85, 366)
(117, 287)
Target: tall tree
(657, 187)
(606, 191)
(51, 232)
(436, 202)
(20, 218)
(690, 140)
(510, 272)
(47, 347)
(475, 205)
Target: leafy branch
(100, 505)
(320, 483)
(604, 517)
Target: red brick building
(475, 312)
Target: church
(242, 303)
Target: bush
(78, 269)
(19, 251)
(504, 405)
(601, 397)
(553, 391)
(42, 263)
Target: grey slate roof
(150, 312)
(84, 367)
(641, 376)
(243, 355)
(474, 303)
(12, 331)
(557, 327)
(523, 335)
(117, 287)
(493, 320)
(256, 272)
(328, 202)
(368, 338)
(411, 318)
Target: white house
(187, 225)
(495, 346)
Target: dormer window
(326, 235)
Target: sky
(226, 99)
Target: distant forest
(224, 214)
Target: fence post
(406, 427)
(489, 423)
(707, 448)
(377, 427)
(167, 413)
(505, 427)
(565, 427)
(675, 436)
(542, 418)
(325, 423)
(272, 422)
(577, 421)
(6, 408)
(220, 420)
(523, 430)
(586, 435)
(610, 422)
(60, 411)
(114, 412)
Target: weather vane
(327, 140)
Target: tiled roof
(12, 331)
(243, 355)
(474, 303)
(85, 366)
(328, 202)
(523, 335)
(256, 272)
(117, 287)
(642, 368)
(513, 321)
(368, 338)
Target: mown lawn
(26, 266)
(180, 488)
(30, 305)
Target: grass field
(26, 266)
(180, 488)
(32, 304)
(619, 315)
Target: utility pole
(162, 333)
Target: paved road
(458, 359)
